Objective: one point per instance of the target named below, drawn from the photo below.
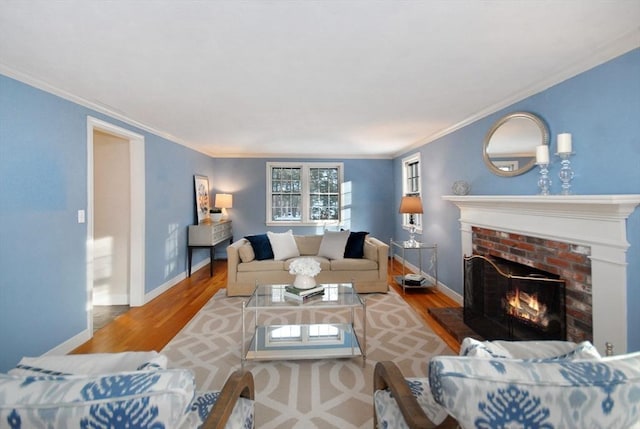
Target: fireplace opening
(510, 301)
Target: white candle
(542, 154)
(564, 143)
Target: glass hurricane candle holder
(544, 182)
(566, 173)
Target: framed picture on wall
(201, 185)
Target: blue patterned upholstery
(488, 393)
(156, 399)
(42, 393)
(560, 385)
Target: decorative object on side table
(411, 205)
(305, 270)
(201, 185)
(564, 152)
(215, 214)
(460, 187)
(542, 160)
(224, 202)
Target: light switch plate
(81, 216)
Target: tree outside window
(303, 193)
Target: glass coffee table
(276, 327)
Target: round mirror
(510, 145)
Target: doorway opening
(115, 221)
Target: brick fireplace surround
(571, 262)
(588, 233)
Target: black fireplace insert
(505, 300)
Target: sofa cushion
(599, 393)
(333, 244)
(141, 399)
(261, 246)
(355, 244)
(283, 244)
(246, 253)
(349, 264)
(308, 245)
(266, 265)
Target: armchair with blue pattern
(488, 387)
(131, 389)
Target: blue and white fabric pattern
(242, 416)
(388, 413)
(549, 350)
(543, 393)
(145, 399)
(90, 364)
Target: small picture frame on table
(201, 187)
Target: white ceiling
(350, 78)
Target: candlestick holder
(566, 173)
(544, 182)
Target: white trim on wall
(137, 215)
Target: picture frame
(202, 199)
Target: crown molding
(600, 55)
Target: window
(303, 193)
(411, 187)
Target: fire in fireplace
(510, 301)
(526, 307)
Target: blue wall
(600, 108)
(368, 204)
(43, 183)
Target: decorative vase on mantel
(304, 282)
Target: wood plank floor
(153, 325)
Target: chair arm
(387, 375)
(239, 384)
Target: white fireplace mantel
(597, 221)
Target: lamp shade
(224, 201)
(411, 205)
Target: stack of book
(414, 280)
(302, 294)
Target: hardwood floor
(153, 325)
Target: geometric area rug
(314, 393)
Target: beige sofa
(369, 274)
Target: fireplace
(510, 301)
(594, 222)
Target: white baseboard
(70, 344)
(84, 336)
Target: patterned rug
(328, 393)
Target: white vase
(304, 282)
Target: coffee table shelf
(282, 328)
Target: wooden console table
(208, 235)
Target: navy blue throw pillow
(355, 245)
(261, 246)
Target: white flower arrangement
(305, 267)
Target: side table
(421, 282)
(208, 235)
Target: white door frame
(137, 215)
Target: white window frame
(406, 190)
(306, 200)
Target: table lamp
(411, 205)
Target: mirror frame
(544, 131)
